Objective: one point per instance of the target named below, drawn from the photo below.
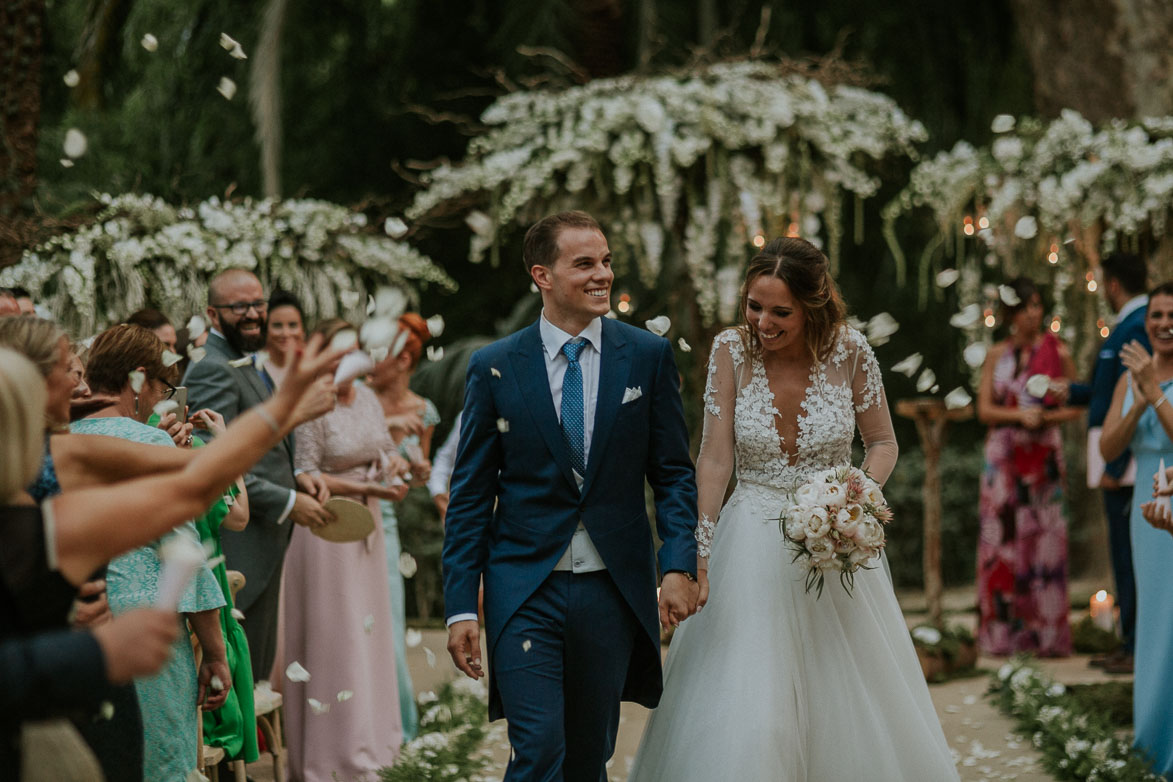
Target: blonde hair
(39, 340)
(22, 420)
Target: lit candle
(1101, 610)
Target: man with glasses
(229, 380)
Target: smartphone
(180, 397)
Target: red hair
(417, 334)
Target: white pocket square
(632, 394)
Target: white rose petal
(526, 645)
(659, 325)
(975, 354)
(880, 328)
(345, 695)
(436, 325)
(412, 637)
(344, 340)
(170, 359)
(232, 46)
(957, 398)
(106, 710)
(75, 143)
(165, 406)
(494, 372)
(502, 425)
(226, 87)
(71, 78)
(1003, 123)
(400, 342)
(390, 302)
(196, 327)
(296, 673)
(1026, 228)
(479, 223)
(947, 277)
(435, 353)
(1009, 296)
(66, 162)
(430, 656)
(394, 227)
(217, 683)
(968, 317)
(368, 623)
(927, 635)
(683, 345)
(909, 365)
(137, 379)
(407, 565)
(926, 380)
(149, 42)
(237, 614)
(1038, 385)
(317, 706)
(378, 354)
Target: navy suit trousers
(560, 663)
(1118, 506)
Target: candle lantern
(1101, 607)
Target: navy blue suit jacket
(1108, 369)
(515, 504)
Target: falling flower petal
(400, 342)
(1003, 123)
(217, 683)
(394, 227)
(237, 614)
(390, 302)
(659, 325)
(378, 354)
(137, 379)
(479, 223)
(502, 425)
(296, 673)
(71, 78)
(379, 332)
(226, 87)
(947, 277)
(344, 340)
(171, 359)
(106, 710)
(1038, 385)
(967, 317)
(909, 365)
(436, 325)
(926, 380)
(407, 565)
(682, 343)
(66, 162)
(196, 327)
(1009, 296)
(975, 354)
(880, 328)
(317, 706)
(149, 42)
(430, 656)
(526, 645)
(241, 362)
(345, 695)
(1026, 228)
(494, 372)
(533, 288)
(370, 304)
(435, 353)
(412, 637)
(368, 623)
(957, 398)
(232, 46)
(75, 143)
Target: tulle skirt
(769, 683)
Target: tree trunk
(98, 47)
(600, 39)
(22, 25)
(264, 95)
(1103, 58)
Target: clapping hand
(1140, 363)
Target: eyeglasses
(170, 393)
(242, 307)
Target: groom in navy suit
(563, 422)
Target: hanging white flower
(395, 227)
(232, 46)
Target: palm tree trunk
(22, 26)
(264, 95)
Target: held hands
(464, 646)
(137, 643)
(678, 599)
(702, 582)
(313, 484)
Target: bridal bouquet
(835, 523)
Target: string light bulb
(792, 231)
(1055, 325)
(759, 241)
(624, 304)
(967, 225)
(1104, 332)
(983, 222)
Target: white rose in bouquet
(860, 556)
(821, 550)
(847, 520)
(872, 494)
(808, 494)
(795, 528)
(871, 533)
(833, 496)
(817, 522)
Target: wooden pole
(930, 416)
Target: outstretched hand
(678, 597)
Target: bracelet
(1160, 402)
(268, 418)
(705, 527)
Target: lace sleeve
(309, 438)
(714, 465)
(871, 411)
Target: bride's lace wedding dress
(767, 682)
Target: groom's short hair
(541, 240)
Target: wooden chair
(207, 757)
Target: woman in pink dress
(344, 722)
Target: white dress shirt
(445, 460)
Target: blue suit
(514, 507)
(1117, 502)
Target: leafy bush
(453, 727)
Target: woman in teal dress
(411, 420)
(1141, 418)
(169, 699)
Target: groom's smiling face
(577, 288)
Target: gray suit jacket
(259, 550)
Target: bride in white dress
(768, 682)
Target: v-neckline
(812, 377)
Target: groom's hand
(677, 599)
(464, 645)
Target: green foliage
(422, 535)
(1112, 699)
(453, 727)
(1090, 639)
(947, 643)
(961, 468)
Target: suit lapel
(613, 374)
(250, 375)
(534, 385)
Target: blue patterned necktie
(573, 418)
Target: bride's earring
(136, 404)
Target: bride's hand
(702, 582)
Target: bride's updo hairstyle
(805, 270)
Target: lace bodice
(843, 392)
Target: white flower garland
(141, 251)
(694, 164)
